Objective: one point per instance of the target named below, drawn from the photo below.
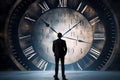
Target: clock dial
(64, 20)
(83, 23)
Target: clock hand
(76, 39)
(71, 28)
(48, 25)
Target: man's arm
(65, 47)
(53, 47)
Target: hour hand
(75, 39)
(48, 25)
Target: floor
(70, 75)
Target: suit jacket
(59, 48)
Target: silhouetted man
(60, 50)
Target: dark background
(6, 63)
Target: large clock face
(61, 20)
(88, 27)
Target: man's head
(59, 35)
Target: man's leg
(63, 68)
(56, 66)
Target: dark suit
(59, 49)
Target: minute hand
(48, 25)
(75, 39)
(71, 28)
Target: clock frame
(95, 11)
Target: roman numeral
(79, 6)
(29, 52)
(44, 6)
(94, 53)
(83, 62)
(94, 20)
(62, 3)
(84, 9)
(99, 36)
(78, 65)
(29, 19)
(82, 6)
(24, 37)
(42, 64)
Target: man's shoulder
(55, 41)
(59, 40)
(63, 40)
